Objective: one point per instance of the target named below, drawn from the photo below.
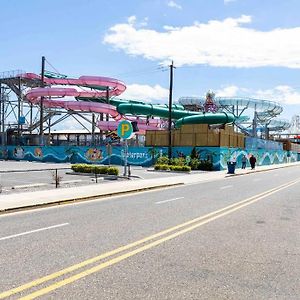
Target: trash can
(231, 167)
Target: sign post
(125, 158)
(109, 151)
(125, 132)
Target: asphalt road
(236, 238)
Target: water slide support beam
(254, 133)
(19, 108)
(30, 118)
(41, 103)
(93, 129)
(2, 115)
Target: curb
(169, 171)
(85, 198)
(103, 175)
(93, 175)
(24, 186)
(259, 171)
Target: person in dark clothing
(244, 161)
(252, 161)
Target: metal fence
(11, 74)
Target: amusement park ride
(32, 104)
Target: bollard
(56, 179)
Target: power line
(135, 71)
(48, 62)
(141, 72)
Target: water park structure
(217, 127)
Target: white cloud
(144, 22)
(71, 124)
(229, 1)
(132, 20)
(146, 93)
(283, 94)
(228, 91)
(173, 4)
(225, 43)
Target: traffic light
(134, 126)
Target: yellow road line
(139, 242)
(141, 249)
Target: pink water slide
(95, 83)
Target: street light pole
(170, 111)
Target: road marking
(169, 200)
(213, 216)
(99, 200)
(225, 187)
(179, 230)
(257, 179)
(32, 231)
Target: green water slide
(152, 110)
(182, 116)
(116, 102)
(206, 118)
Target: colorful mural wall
(141, 156)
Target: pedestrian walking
(244, 161)
(252, 161)
(288, 156)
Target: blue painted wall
(143, 156)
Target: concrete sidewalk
(47, 197)
(7, 166)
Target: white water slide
(266, 110)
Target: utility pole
(42, 104)
(170, 111)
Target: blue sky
(234, 47)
